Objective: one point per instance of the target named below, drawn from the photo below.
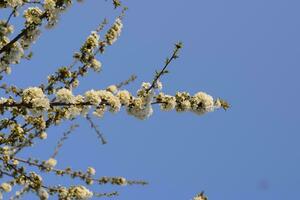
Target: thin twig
(96, 128)
(178, 46)
(126, 82)
(10, 15)
(65, 137)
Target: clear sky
(246, 52)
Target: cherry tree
(28, 113)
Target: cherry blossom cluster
(12, 50)
(111, 99)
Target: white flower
(91, 171)
(36, 97)
(91, 43)
(5, 29)
(140, 109)
(43, 135)
(99, 111)
(96, 65)
(202, 103)
(64, 95)
(92, 97)
(145, 85)
(80, 192)
(6, 187)
(72, 112)
(50, 163)
(33, 15)
(112, 101)
(124, 97)
(112, 88)
(158, 85)
(167, 102)
(49, 5)
(182, 101)
(43, 194)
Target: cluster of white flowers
(33, 15)
(140, 106)
(90, 44)
(5, 28)
(6, 151)
(49, 5)
(53, 11)
(16, 128)
(92, 96)
(87, 50)
(15, 53)
(169, 102)
(124, 97)
(109, 99)
(36, 97)
(112, 99)
(114, 32)
(65, 95)
(75, 192)
(182, 101)
(33, 19)
(200, 103)
(14, 3)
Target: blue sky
(246, 52)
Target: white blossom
(36, 97)
(202, 103)
(96, 65)
(50, 163)
(43, 194)
(65, 95)
(33, 15)
(124, 97)
(14, 3)
(92, 97)
(112, 88)
(43, 135)
(6, 187)
(91, 171)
